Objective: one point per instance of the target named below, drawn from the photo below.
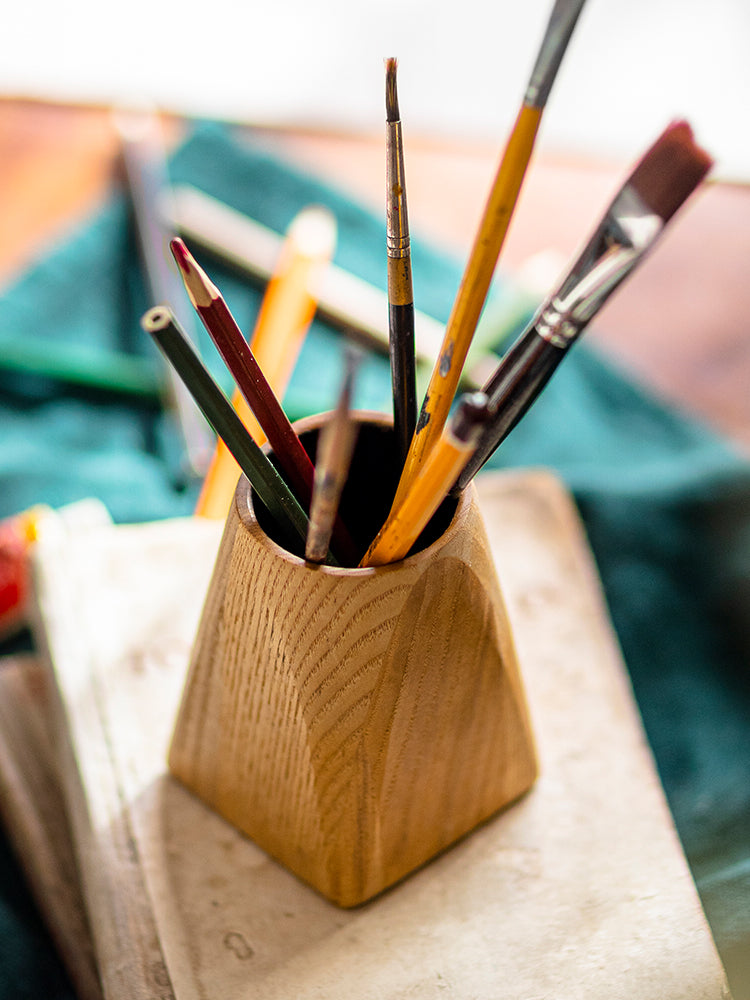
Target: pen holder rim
(243, 500)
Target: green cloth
(666, 503)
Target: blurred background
(309, 78)
(631, 65)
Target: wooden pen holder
(354, 722)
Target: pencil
(400, 290)
(287, 309)
(234, 349)
(291, 298)
(336, 443)
(160, 323)
(489, 240)
(406, 522)
(146, 174)
(659, 184)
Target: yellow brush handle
(472, 293)
(405, 523)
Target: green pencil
(291, 520)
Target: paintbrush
(400, 290)
(662, 180)
(489, 240)
(336, 442)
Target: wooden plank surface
(33, 810)
(578, 891)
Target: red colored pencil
(222, 327)
(240, 360)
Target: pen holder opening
(370, 486)
(355, 722)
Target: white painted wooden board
(580, 890)
(32, 809)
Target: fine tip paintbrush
(659, 184)
(489, 239)
(400, 289)
(336, 443)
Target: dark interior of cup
(368, 494)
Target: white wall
(463, 64)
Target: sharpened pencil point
(180, 253)
(391, 92)
(198, 285)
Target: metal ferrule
(560, 27)
(562, 319)
(396, 218)
(627, 231)
(555, 326)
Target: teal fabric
(666, 503)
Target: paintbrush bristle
(391, 93)
(670, 171)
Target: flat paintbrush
(489, 240)
(400, 290)
(406, 521)
(336, 442)
(661, 181)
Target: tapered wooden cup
(355, 722)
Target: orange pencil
(285, 316)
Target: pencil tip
(201, 290)
(391, 93)
(180, 253)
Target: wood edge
(34, 814)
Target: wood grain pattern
(354, 723)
